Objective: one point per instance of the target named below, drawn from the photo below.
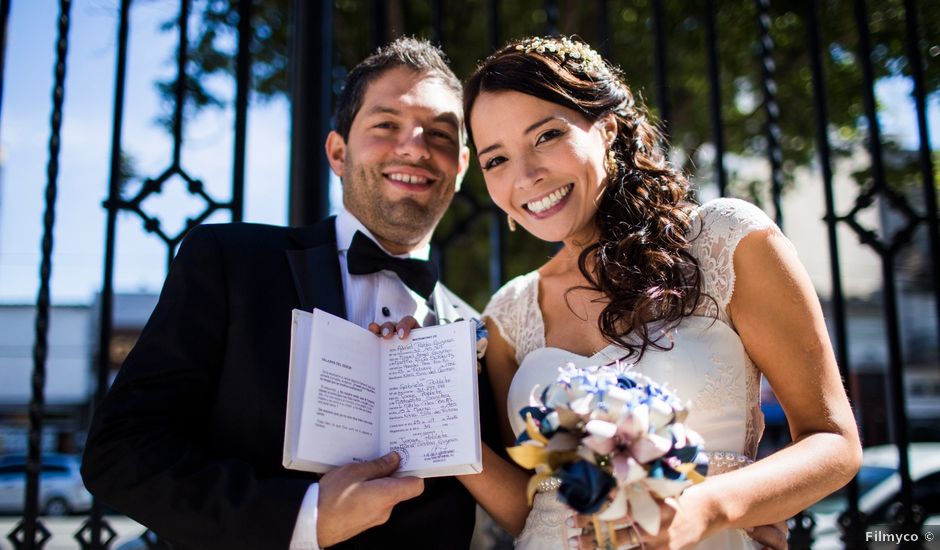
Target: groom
(188, 440)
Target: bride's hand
(681, 527)
(402, 328)
(770, 537)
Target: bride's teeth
(549, 201)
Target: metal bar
(853, 535)
(494, 35)
(714, 97)
(37, 403)
(551, 17)
(906, 517)
(324, 106)
(379, 23)
(95, 522)
(437, 23)
(662, 89)
(868, 95)
(242, 92)
(895, 356)
(4, 17)
(771, 108)
(926, 162)
(311, 94)
(497, 229)
(181, 82)
(603, 28)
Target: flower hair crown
(564, 49)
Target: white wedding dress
(707, 366)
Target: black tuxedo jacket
(188, 440)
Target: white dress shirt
(377, 297)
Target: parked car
(61, 490)
(879, 486)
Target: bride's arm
(777, 314)
(501, 488)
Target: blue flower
(625, 381)
(584, 486)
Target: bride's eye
(493, 163)
(548, 135)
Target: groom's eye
(443, 135)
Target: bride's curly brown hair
(641, 260)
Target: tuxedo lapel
(448, 307)
(315, 267)
(443, 308)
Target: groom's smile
(410, 178)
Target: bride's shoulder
(728, 216)
(515, 292)
(514, 312)
(718, 226)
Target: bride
(705, 298)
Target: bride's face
(543, 163)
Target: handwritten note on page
(353, 396)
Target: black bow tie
(366, 257)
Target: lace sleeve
(718, 227)
(514, 309)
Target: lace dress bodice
(706, 365)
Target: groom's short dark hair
(419, 55)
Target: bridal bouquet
(613, 439)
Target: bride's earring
(610, 163)
(511, 222)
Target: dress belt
(719, 462)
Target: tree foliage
(466, 37)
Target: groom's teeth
(549, 201)
(408, 178)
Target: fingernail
(569, 522)
(386, 331)
(573, 543)
(749, 530)
(401, 333)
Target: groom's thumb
(383, 466)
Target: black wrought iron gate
(314, 75)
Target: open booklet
(353, 396)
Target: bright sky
(86, 144)
(207, 153)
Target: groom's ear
(463, 163)
(336, 152)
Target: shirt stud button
(386, 312)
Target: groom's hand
(355, 497)
(389, 329)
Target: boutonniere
(482, 335)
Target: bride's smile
(550, 203)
